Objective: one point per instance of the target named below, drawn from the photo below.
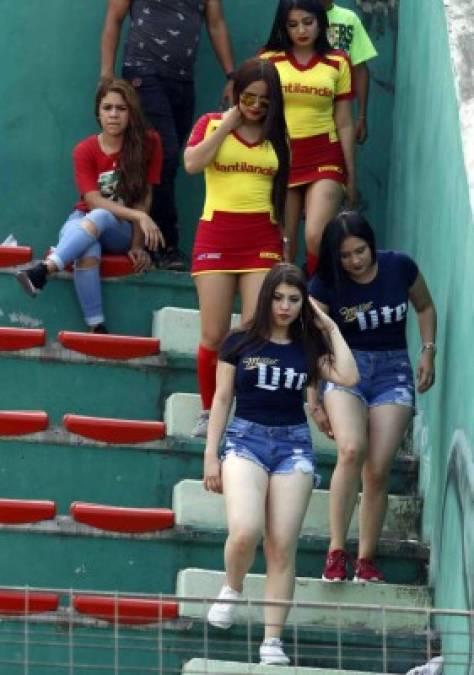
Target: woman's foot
(99, 329)
(33, 280)
(272, 654)
(221, 614)
(365, 570)
(200, 428)
(335, 568)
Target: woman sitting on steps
(114, 172)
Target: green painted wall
(429, 215)
(50, 60)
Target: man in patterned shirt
(346, 32)
(159, 57)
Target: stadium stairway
(100, 492)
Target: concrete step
(102, 558)
(64, 467)
(63, 381)
(178, 329)
(182, 410)
(128, 302)
(195, 507)
(372, 601)
(204, 666)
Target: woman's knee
(280, 554)
(244, 540)
(98, 220)
(350, 452)
(212, 338)
(375, 477)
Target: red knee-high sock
(312, 263)
(206, 372)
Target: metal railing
(66, 642)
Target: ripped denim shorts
(386, 377)
(282, 449)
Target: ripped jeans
(386, 378)
(278, 450)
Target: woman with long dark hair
(265, 467)
(114, 171)
(244, 154)
(317, 88)
(367, 293)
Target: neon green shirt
(346, 32)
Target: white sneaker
(272, 654)
(221, 614)
(200, 428)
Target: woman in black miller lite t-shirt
(367, 293)
(266, 465)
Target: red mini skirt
(315, 158)
(236, 242)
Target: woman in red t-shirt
(114, 171)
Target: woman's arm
(137, 216)
(342, 369)
(116, 12)
(422, 301)
(221, 403)
(220, 40)
(197, 157)
(345, 131)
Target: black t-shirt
(372, 316)
(163, 37)
(269, 381)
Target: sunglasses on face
(255, 100)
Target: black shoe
(99, 329)
(172, 259)
(33, 280)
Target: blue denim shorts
(282, 449)
(386, 377)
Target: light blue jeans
(75, 243)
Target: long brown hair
(303, 329)
(137, 145)
(273, 124)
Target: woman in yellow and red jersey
(244, 154)
(317, 90)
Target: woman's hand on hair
(151, 232)
(141, 260)
(212, 473)
(320, 416)
(231, 118)
(322, 320)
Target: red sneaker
(335, 567)
(365, 570)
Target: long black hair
(303, 329)
(345, 224)
(279, 40)
(137, 145)
(273, 124)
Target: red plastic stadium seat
(21, 602)
(20, 422)
(125, 610)
(120, 519)
(111, 430)
(15, 255)
(12, 339)
(109, 346)
(16, 511)
(116, 266)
